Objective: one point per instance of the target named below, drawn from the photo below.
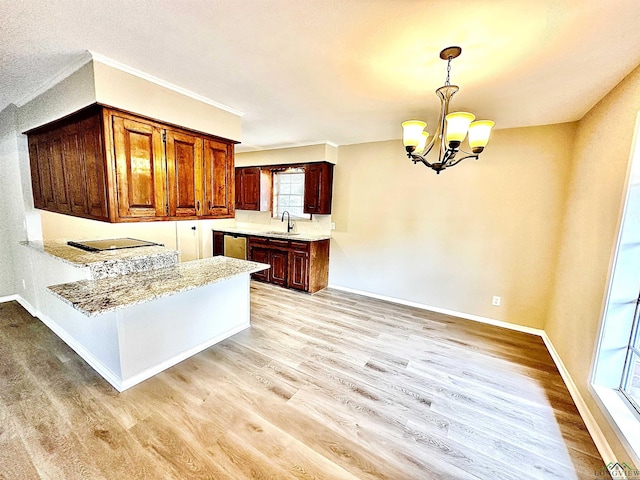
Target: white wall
(10, 199)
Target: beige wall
(310, 153)
(596, 192)
(98, 82)
(124, 90)
(173, 234)
(454, 240)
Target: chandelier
(452, 129)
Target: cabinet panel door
(219, 179)
(251, 188)
(75, 175)
(279, 261)
(59, 174)
(299, 270)
(260, 254)
(93, 151)
(36, 172)
(44, 167)
(139, 169)
(184, 174)
(218, 244)
(318, 187)
(239, 189)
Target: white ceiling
(342, 71)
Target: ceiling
(340, 71)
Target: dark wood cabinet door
(75, 174)
(218, 244)
(250, 185)
(318, 188)
(139, 169)
(239, 190)
(91, 136)
(36, 172)
(59, 173)
(262, 255)
(279, 261)
(299, 270)
(184, 174)
(219, 179)
(46, 177)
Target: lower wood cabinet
(294, 264)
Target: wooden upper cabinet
(139, 156)
(58, 174)
(75, 172)
(248, 188)
(109, 165)
(184, 173)
(318, 187)
(218, 174)
(253, 188)
(37, 170)
(91, 136)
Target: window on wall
(630, 384)
(288, 193)
(616, 372)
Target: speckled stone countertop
(109, 263)
(302, 237)
(95, 297)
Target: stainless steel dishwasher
(235, 246)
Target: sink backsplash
(318, 225)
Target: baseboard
(453, 313)
(96, 364)
(592, 426)
(23, 303)
(9, 298)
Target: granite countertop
(301, 237)
(109, 263)
(96, 297)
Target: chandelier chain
(447, 82)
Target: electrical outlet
(496, 301)
(333, 225)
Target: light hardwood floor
(329, 386)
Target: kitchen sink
(283, 234)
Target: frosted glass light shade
(457, 126)
(412, 132)
(479, 132)
(423, 141)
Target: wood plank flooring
(329, 386)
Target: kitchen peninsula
(133, 313)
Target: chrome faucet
(289, 224)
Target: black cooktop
(113, 244)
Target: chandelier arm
(449, 156)
(431, 143)
(471, 155)
(415, 158)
